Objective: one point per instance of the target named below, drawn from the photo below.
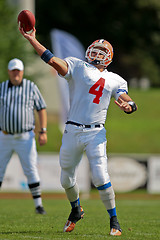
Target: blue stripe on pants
(105, 186)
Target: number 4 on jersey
(98, 92)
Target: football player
(91, 87)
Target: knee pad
(67, 181)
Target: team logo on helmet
(97, 48)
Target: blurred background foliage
(11, 43)
(132, 27)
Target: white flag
(65, 45)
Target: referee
(18, 99)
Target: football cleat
(115, 232)
(69, 226)
(76, 214)
(40, 210)
(115, 227)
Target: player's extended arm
(58, 64)
(126, 104)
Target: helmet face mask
(100, 52)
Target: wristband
(133, 106)
(43, 130)
(46, 56)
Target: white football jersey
(90, 91)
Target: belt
(85, 126)
(14, 133)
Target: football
(26, 20)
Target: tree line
(132, 27)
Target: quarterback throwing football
(91, 87)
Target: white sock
(72, 193)
(38, 201)
(108, 197)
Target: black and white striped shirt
(17, 104)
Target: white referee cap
(15, 64)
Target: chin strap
(96, 62)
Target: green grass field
(139, 218)
(134, 133)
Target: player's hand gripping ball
(26, 20)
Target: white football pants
(24, 145)
(75, 141)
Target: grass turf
(139, 219)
